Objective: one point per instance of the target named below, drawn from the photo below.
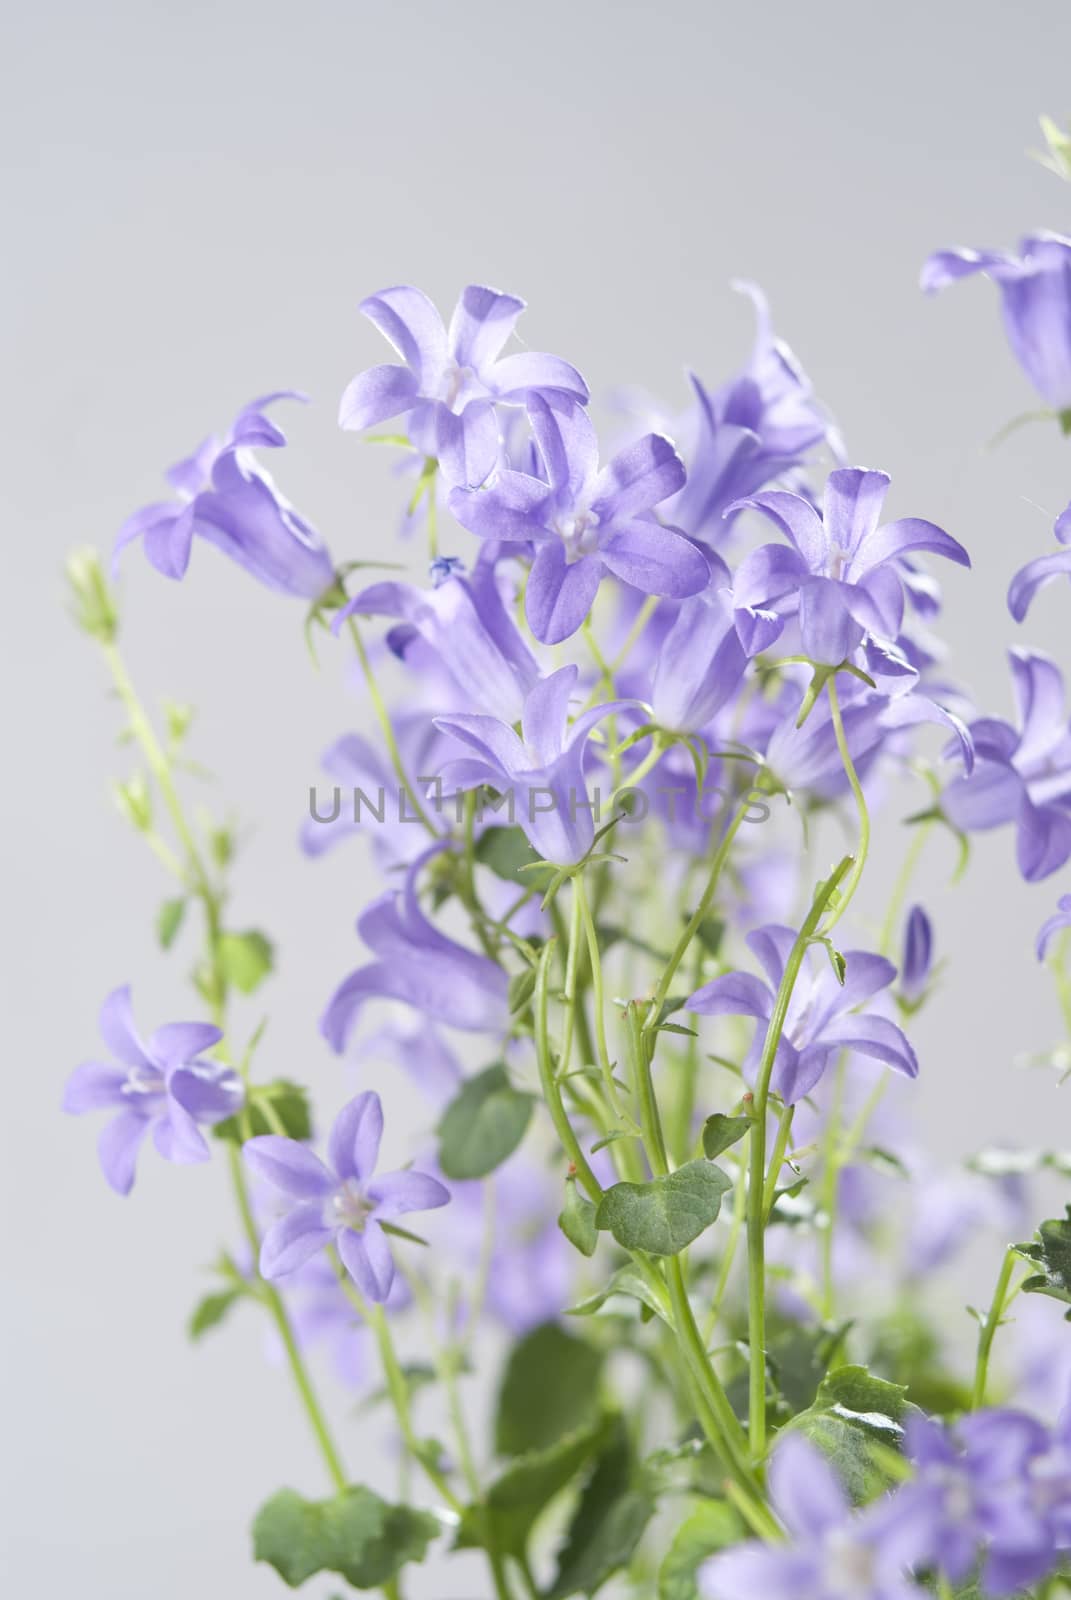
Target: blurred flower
(162, 1084)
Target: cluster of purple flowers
(790, 676)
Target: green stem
(643, 1090)
(273, 1300)
(903, 881)
(598, 992)
(860, 802)
(680, 949)
(379, 706)
(988, 1330)
(549, 1083)
(756, 1194)
(735, 1227)
(832, 1162)
(777, 1160)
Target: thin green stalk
(833, 1159)
(639, 1056)
(988, 1330)
(733, 1241)
(852, 776)
(908, 867)
(273, 1300)
(777, 1160)
(706, 900)
(598, 993)
(549, 1083)
(756, 1195)
(379, 706)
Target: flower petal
(177, 1137)
(414, 327)
(483, 320)
(468, 444)
(805, 1489)
(559, 593)
(516, 377)
(827, 628)
(353, 1144)
(546, 715)
(637, 478)
(513, 508)
(118, 1031)
(655, 560)
(735, 994)
(769, 575)
(375, 395)
(118, 1146)
(288, 1165)
(1034, 576)
(1039, 691)
(93, 1086)
(567, 443)
(178, 1042)
(851, 506)
(367, 1258)
(771, 946)
(293, 1240)
(795, 517)
(904, 536)
(397, 1193)
(1060, 919)
(1043, 842)
(872, 1036)
(989, 798)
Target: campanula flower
(822, 1016)
(834, 1552)
(224, 496)
(976, 1482)
(418, 966)
(1035, 289)
(759, 426)
(1023, 775)
(1036, 574)
(839, 570)
(464, 623)
(366, 796)
(452, 378)
(164, 1084)
(541, 772)
(701, 662)
(916, 967)
(583, 522)
(1060, 919)
(340, 1202)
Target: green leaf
(854, 1411)
(577, 1220)
(246, 959)
(720, 1132)
(169, 921)
(665, 1215)
(483, 1124)
(550, 1386)
(631, 1282)
(709, 1529)
(1051, 1250)
(210, 1311)
(515, 1500)
(356, 1534)
(609, 1521)
(521, 989)
(287, 1108)
(505, 851)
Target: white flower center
(143, 1083)
(578, 532)
(348, 1207)
(847, 1567)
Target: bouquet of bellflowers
(636, 703)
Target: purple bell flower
(1036, 574)
(418, 966)
(465, 624)
(163, 1084)
(756, 428)
(977, 1485)
(700, 663)
(822, 1016)
(1060, 919)
(584, 523)
(541, 773)
(839, 571)
(1035, 289)
(226, 498)
(341, 1203)
(1023, 775)
(916, 968)
(834, 1553)
(451, 379)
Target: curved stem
(903, 882)
(274, 1302)
(860, 802)
(549, 1083)
(988, 1330)
(756, 1194)
(379, 706)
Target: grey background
(196, 198)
